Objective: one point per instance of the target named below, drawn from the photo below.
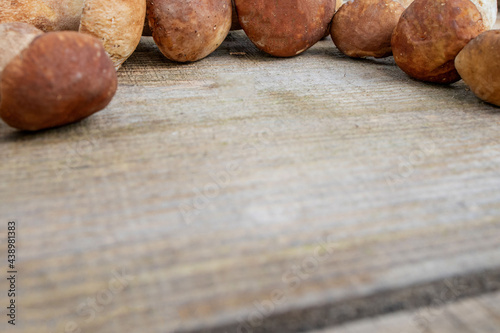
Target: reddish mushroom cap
(363, 28)
(285, 28)
(429, 36)
(189, 30)
(60, 78)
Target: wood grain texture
(209, 188)
(475, 315)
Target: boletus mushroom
(363, 28)
(285, 28)
(189, 30)
(479, 66)
(56, 79)
(430, 34)
(117, 23)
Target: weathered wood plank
(217, 184)
(475, 315)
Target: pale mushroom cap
(117, 23)
(15, 37)
(47, 15)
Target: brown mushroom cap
(363, 28)
(61, 77)
(46, 15)
(14, 37)
(189, 30)
(117, 23)
(429, 36)
(285, 28)
(479, 66)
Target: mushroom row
(425, 37)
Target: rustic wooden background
(244, 193)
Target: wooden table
(244, 193)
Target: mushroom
(363, 28)
(429, 35)
(58, 78)
(285, 28)
(117, 23)
(189, 30)
(479, 67)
